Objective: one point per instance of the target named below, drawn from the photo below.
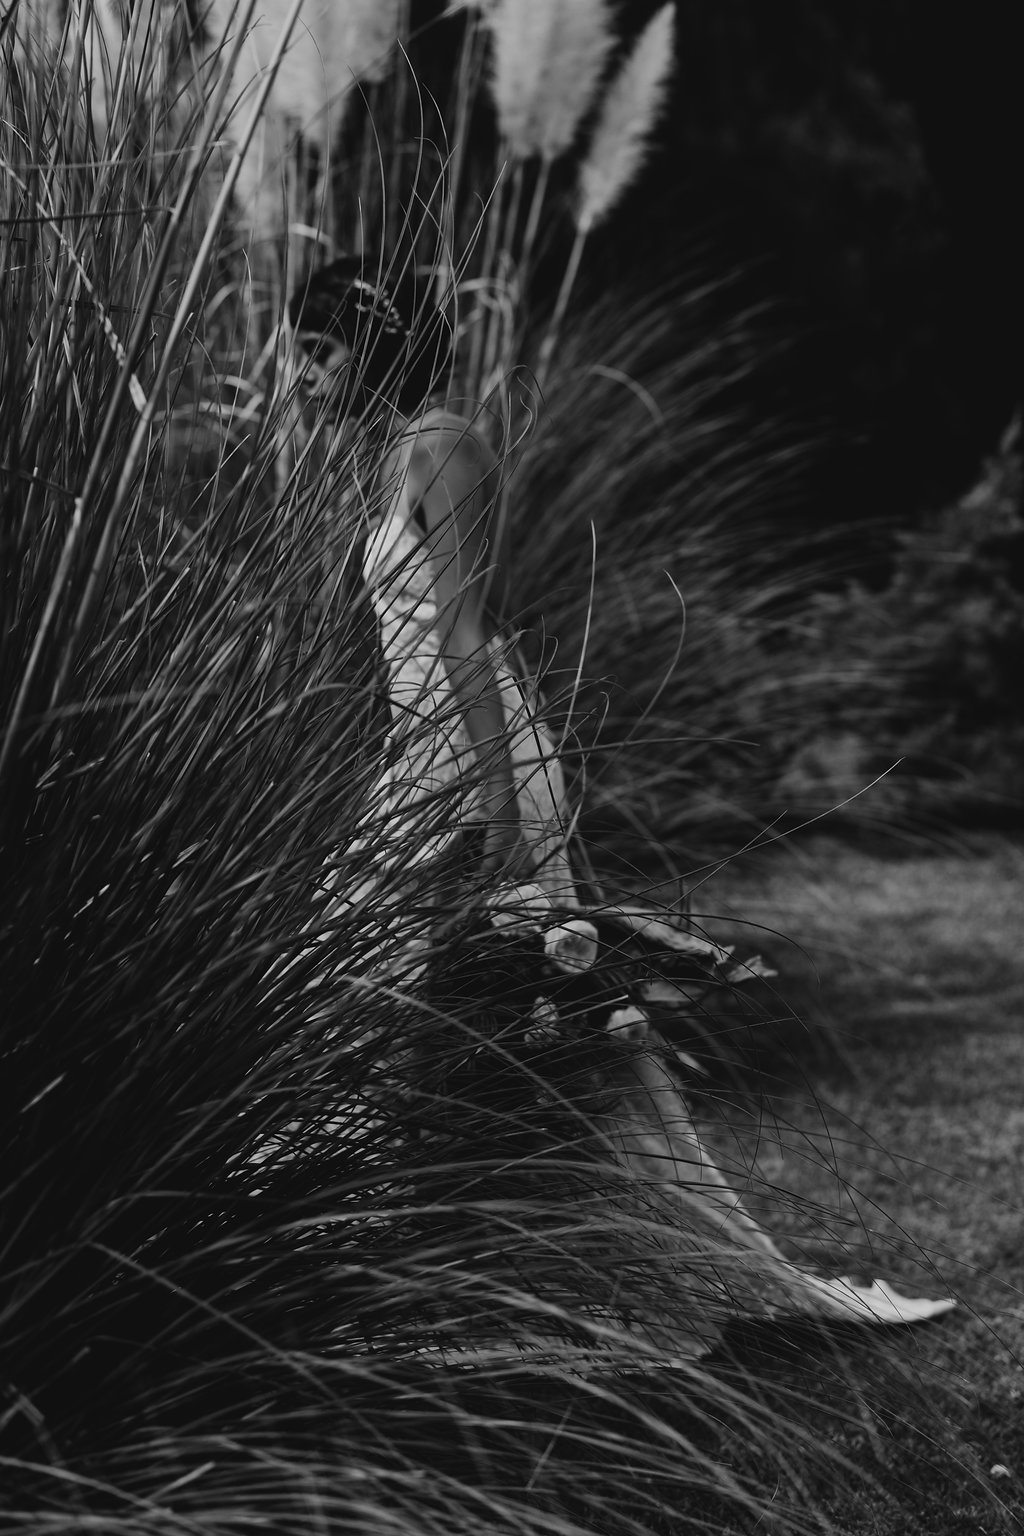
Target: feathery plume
(549, 56)
(627, 115)
(333, 46)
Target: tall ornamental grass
(648, 524)
(284, 1244)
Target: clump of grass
(647, 466)
(282, 1241)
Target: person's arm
(448, 482)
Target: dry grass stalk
(627, 116)
(108, 73)
(549, 56)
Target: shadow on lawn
(899, 1063)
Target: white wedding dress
(468, 749)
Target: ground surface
(908, 1081)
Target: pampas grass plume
(336, 44)
(549, 56)
(628, 113)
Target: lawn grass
(907, 969)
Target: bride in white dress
(473, 773)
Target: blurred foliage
(797, 139)
(926, 671)
(855, 159)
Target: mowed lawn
(897, 1107)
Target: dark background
(858, 162)
(862, 160)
